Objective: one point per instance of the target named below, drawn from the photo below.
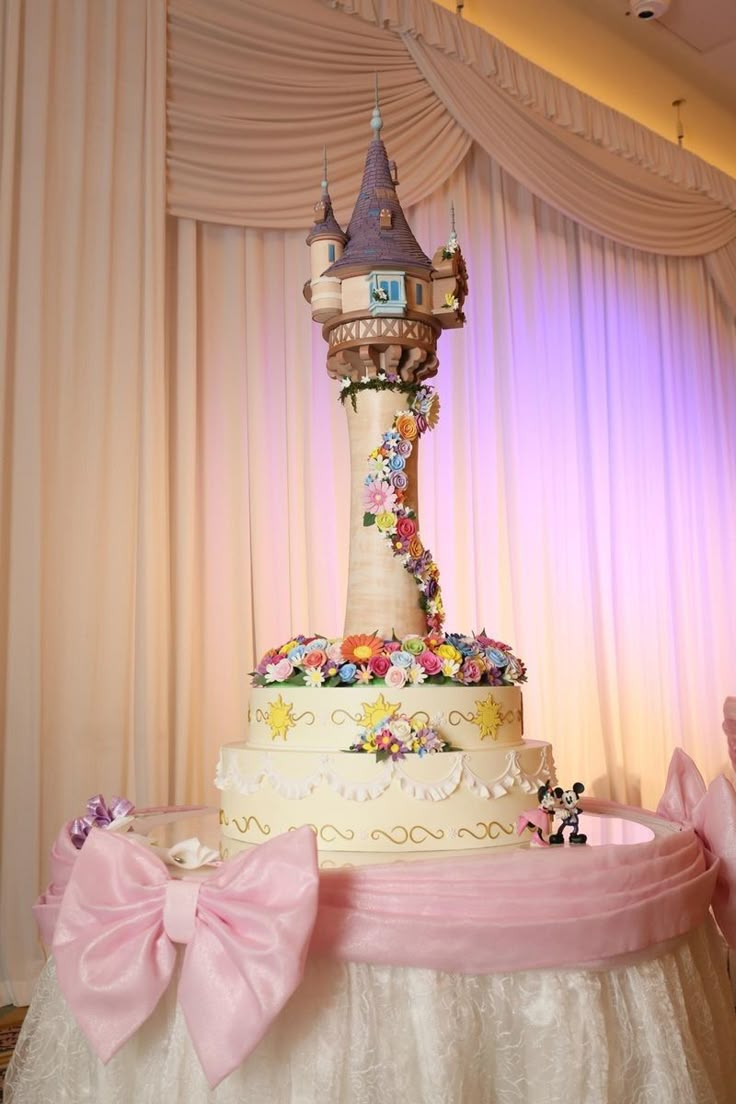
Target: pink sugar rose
(334, 652)
(406, 527)
(395, 677)
(279, 672)
(378, 665)
(391, 646)
(431, 663)
(316, 658)
(471, 671)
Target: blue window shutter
(330, 252)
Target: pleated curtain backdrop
(174, 492)
(85, 633)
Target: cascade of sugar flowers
(384, 499)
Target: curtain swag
(544, 94)
(256, 92)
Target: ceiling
(696, 38)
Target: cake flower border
(364, 658)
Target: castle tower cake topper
(432, 720)
(383, 304)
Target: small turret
(449, 281)
(326, 241)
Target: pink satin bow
(712, 814)
(246, 930)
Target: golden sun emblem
(279, 718)
(377, 711)
(488, 717)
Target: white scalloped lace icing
(460, 773)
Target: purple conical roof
(368, 245)
(329, 227)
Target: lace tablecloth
(659, 1030)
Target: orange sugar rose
(406, 427)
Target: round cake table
(549, 982)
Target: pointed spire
(453, 243)
(325, 224)
(376, 120)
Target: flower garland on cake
(364, 658)
(397, 736)
(385, 492)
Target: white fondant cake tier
(329, 718)
(296, 768)
(449, 801)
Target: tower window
(419, 290)
(330, 252)
(392, 289)
(387, 292)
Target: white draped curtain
(174, 462)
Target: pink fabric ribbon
(711, 813)
(46, 909)
(64, 854)
(729, 727)
(246, 931)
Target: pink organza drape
(114, 915)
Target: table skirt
(658, 1030)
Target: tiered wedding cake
(406, 738)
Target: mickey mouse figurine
(569, 812)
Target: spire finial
(324, 168)
(376, 120)
(453, 243)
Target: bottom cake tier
(456, 801)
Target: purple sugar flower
(431, 587)
(99, 815)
